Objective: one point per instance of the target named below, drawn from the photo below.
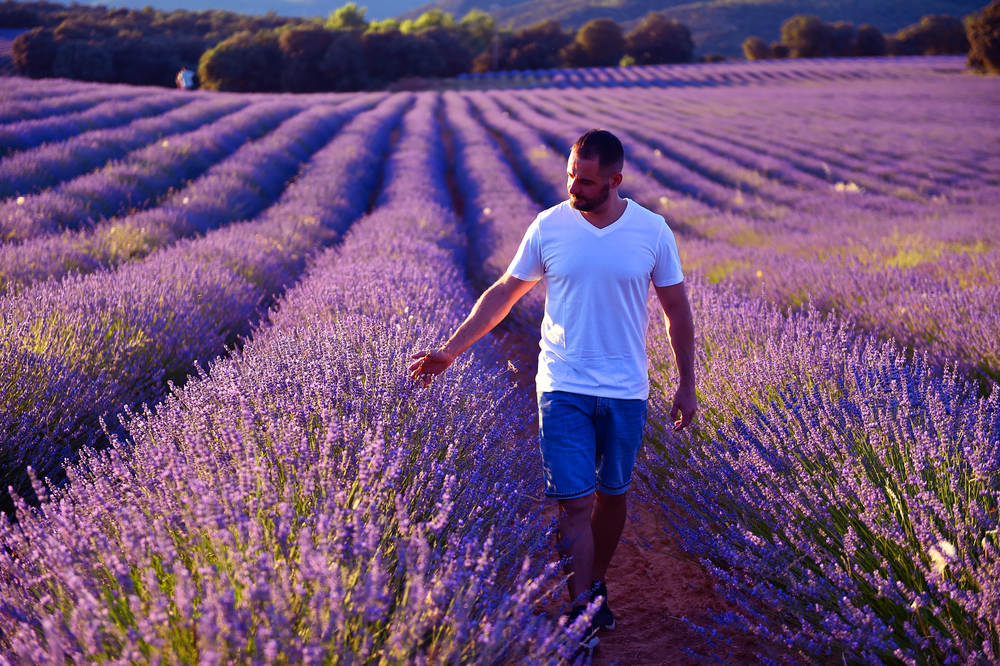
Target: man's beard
(587, 205)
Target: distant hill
(718, 26)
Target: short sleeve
(527, 263)
(667, 270)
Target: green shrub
(246, 62)
(983, 33)
(658, 40)
(755, 48)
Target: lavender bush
(140, 178)
(34, 170)
(844, 496)
(117, 337)
(338, 517)
(236, 188)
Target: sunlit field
(209, 301)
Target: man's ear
(616, 180)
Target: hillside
(718, 26)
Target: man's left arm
(680, 330)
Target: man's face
(588, 188)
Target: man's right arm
(490, 309)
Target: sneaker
(589, 640)
(604, 619)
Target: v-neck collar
(578, 216)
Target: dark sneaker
(604, 619)
(588, 640)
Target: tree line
(802, 36)
(346, 52)
(342, 52)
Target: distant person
(598, 254)
(185, 79)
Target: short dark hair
(603, 145)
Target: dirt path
(651, 590)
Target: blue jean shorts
(588, 443)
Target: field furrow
(141, 178)
(28, 134)
(48, 165)
(361, 446)
(237, 188)
(80, 349)
(35, 103)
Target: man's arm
(680, 330)
(489, 311)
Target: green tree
(430, 20)
(246, 62)
(843, 38)
(536, 47)
(34, 52)
(934, 35)
(477, 30)
(348, 17)
(344, 65)
(807, 37)
(983, 33)
(302, 49)
(870, 41)
(599, 43)
(755, 48)
(658, 40)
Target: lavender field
(208, 301)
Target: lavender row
(725, 74)
(674, 205)
(237, 188)
(844, 496)
(541, 168)
(357, 519)
(40, 168)
(140, 178)
(90, 344)
(33, 104)
(497, 208)
(28, 134)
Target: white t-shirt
(597, 282)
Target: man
(185, 79)
(598, 254)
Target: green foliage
(870, 41)
(755, 48)
(535, 47)
(599, 43)
(34, 53)
(477, 29)
(302, 49)
(934, 35)
(807, 37)
(435, 18)
(246, 62)
(983, 32)
(348, 17)
(659, 40)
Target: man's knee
(611, 501)
(577, 511)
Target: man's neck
(607, 214)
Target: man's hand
(685, 406)
(429, 364)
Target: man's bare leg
(607, 524)
(577, 537)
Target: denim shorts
(588, 443)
